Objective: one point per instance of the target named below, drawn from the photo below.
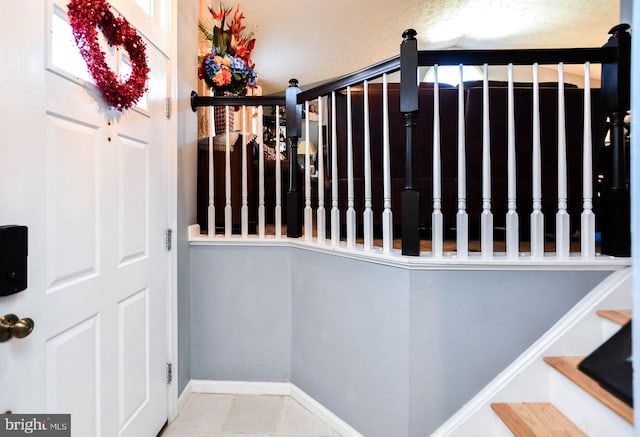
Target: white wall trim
(240, 387)
(269, 388)
(449, 261)
(534, 354)
(182, 399)
(323, 413)
(193, 231)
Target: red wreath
(84, 17)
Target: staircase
(543, 393)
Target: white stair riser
(573, 401)
(482, 426)
(609, 328)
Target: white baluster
(228, 222)
(537, 217)
(320, 212)
(486, 219)
(351, 212)
(513, 237)
(367, 215)
(462, 219)
(278, 211)
(387, 214)
(436, 216)
(260, 144)
(335, 211)
(244, 212)
(562, 216)
(588, 225)
(211, 210)
(308, 212)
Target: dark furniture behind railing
(473, 127)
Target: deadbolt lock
(12, 326)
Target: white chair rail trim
(448, 261)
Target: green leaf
(205, 31)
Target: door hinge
(168, 107)
(169, 373)
(167, 238)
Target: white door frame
(172, 175)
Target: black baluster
(410, 198)
(615, 216)
(294, 123)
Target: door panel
(73, 380)
(133, 327)
(133, 195)
(72, 239)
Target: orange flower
(226, 75)
(222, 78)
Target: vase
(219, 114)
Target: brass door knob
(12, 326)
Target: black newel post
(410, 198)
(294, 123)
(616, 202)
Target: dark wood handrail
(598, 55)
(371, 72)
(198, 101)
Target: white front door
(92, 186)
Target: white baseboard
(240, 387)
(323, 413)
(269, 388)
(182, 399)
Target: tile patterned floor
(213, 415)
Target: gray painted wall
(186, 198)
(468, 325)
(351, 340)
(390, 351)
(240, 313)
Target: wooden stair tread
(568, 366)
(535, 419)
(621, 317)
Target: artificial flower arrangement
(228, 68)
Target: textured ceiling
(317, 40)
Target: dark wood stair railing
(614, 57)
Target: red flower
(224, 13)
(244, 49)
(236, 24)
